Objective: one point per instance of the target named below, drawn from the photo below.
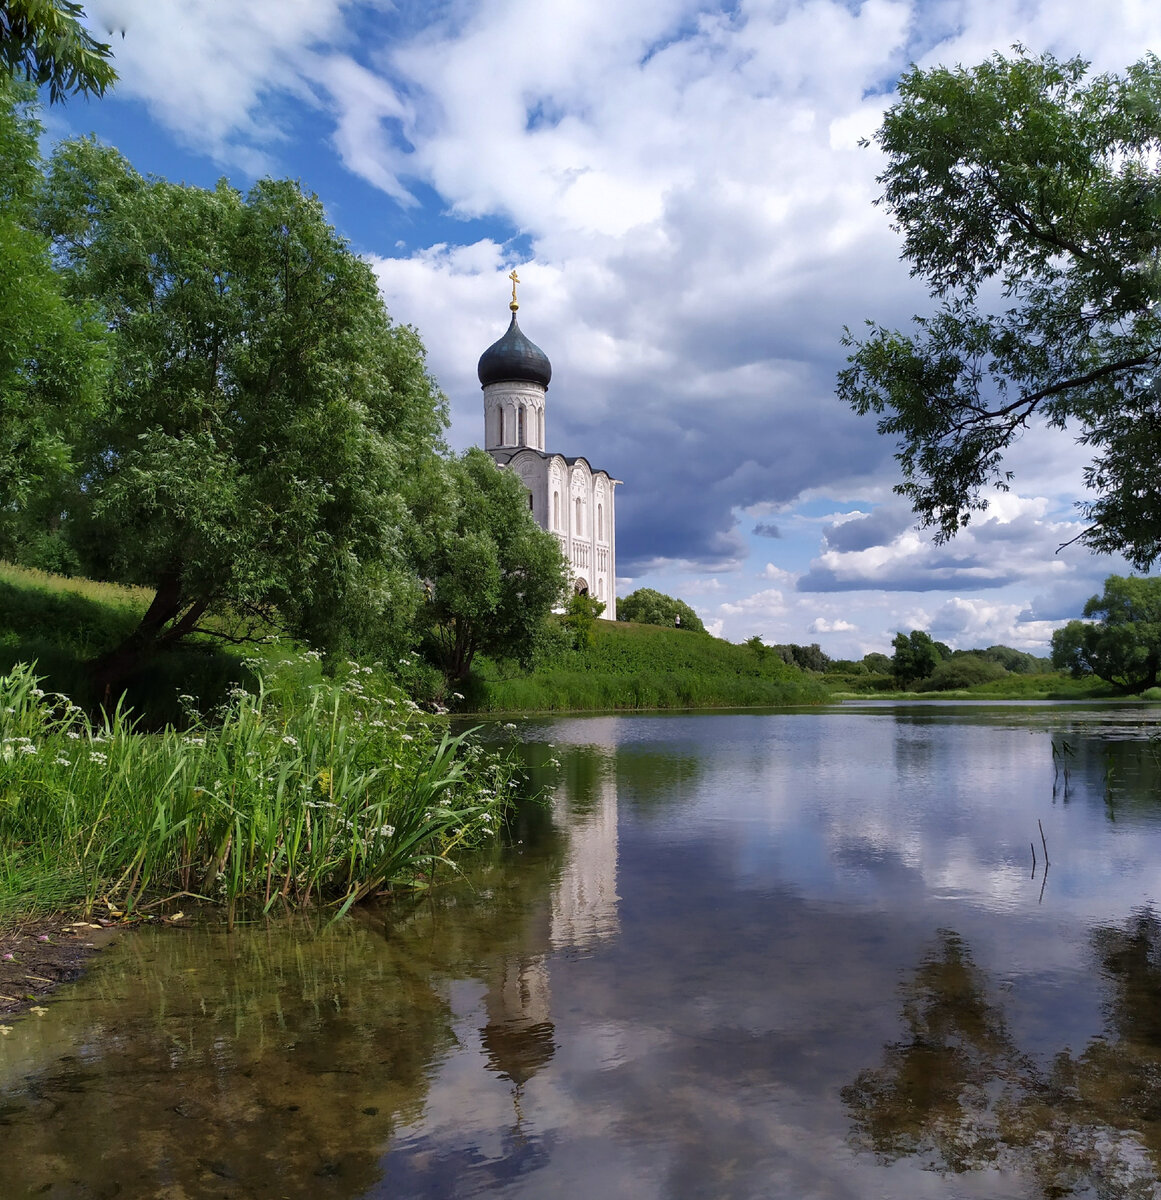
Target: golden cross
(515, 280)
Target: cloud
(682, 187)
(860, 532)
(822, 625)
(208, 70)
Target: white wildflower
(194, 741)
(289, 740)
(27, 749)
(72, 733)
(97, 757)
(61, 761)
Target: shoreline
(39, 954)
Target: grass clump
(301, 791)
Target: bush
(961, 671)
(647, 607)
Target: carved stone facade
(566, 495)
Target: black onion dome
(514, 357)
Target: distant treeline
(919, 663)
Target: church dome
(513, 358)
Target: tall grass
(324, 792)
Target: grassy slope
(58, 623)
(646, 666)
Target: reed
(295, 794)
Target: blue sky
(681, 188)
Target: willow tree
(263, 414)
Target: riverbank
(304, 791)
(38, 954)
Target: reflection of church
(581, 912)
(566, 496)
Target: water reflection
(680, 980)
(958, 1093)
(281, 1061)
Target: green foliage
(331, 793)
(649, 607)
(492, 574)
(580, 617)
(877, 664)
(1023, 176)
(52, 352)
(45, 42)
(757, 647)
(641, 666)
(916, 656)
(1124, 646)
(1017, 661)
(807, 658)
(263, 413)
(966, 670)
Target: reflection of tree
(959, 1094)
(931, 1096)
(655, 781)
(267, 1063)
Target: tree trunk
(163, 625)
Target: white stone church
(566, 495)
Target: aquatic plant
(330, 793)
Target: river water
(737, 955)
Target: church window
(520, 426)
(600, 589)
(600, 520)
(540, 422)
(579, 522)
(500, 425)
(556, 510)
(529, 501)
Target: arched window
(600, 520)
(579, 529)
(600, 589)
(530, 502)
(556, 510)
(500, 426)
(520, 426)
(540, 423)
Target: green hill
(632, 666)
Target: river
(813, 954)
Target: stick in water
(1042, 842)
